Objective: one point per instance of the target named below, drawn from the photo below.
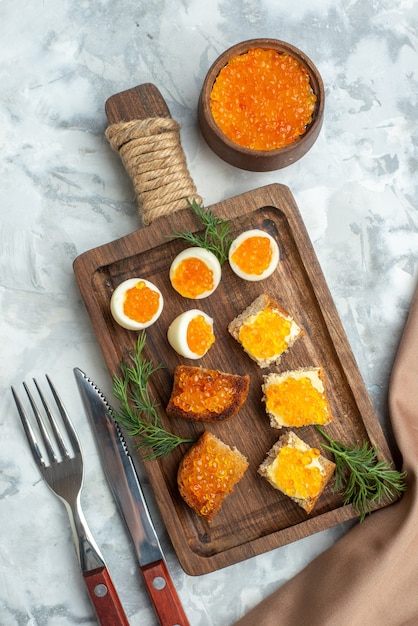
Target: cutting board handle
(148, 142)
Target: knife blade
(128, 494)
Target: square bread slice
(297, 470)
(265, 330)
(296, 398)
(208, 473)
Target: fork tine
(28, 430)
(58, 437)
(72, 435)
(44, 433)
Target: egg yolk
(192, 278)
(141, 303)
(294, 473)
(253, 255)
(199, 335)
(263, 99)
(266, 334)
(298, 402)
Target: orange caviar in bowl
(263, 99)
(261, 105)
(136, 303)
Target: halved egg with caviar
(195, 273)
(253, 255)
(191, 334)
(136, 303)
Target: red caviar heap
(253, 255)
(192, 277)
(208, 473)
(297, 402)
(205, 390)
(266, 335)
(295, 474)
(263, 99)
(141, 303)
(200, 336)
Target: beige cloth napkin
(370, 576)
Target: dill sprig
(138, 412)
(363, 477)
(216, 237)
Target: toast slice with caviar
(265, 330)
(208, 473)
(296, 398)
(297, 470)
(206, 395)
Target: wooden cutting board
(255, 518)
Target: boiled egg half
(136, 304)
(191, 334)
(195, 273)
(253, 255)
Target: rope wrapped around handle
(151, 152)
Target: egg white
(118, 298)
(204, 255)
(255, 232)
(177, 333)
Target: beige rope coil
(153, 157)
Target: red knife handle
(164, 595)
(105, 598)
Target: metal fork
(63, 472)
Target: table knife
(126, 488)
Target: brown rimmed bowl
(246, 158)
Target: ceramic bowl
(247, 158)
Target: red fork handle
(163, 594)
(105, 598)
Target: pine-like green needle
(216, 236)
(138, 413)
(363, 478)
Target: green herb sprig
(138, 412)
(216, 237)
(363, 477)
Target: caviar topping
(297, 472)
(192, 277)
(206, 390)
(200, 336)
(263, 99)
(266, 334)
(195, 273)
(253, 255)
(141, 303)
(297, 401)
(212, 475)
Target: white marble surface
(63, 191)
